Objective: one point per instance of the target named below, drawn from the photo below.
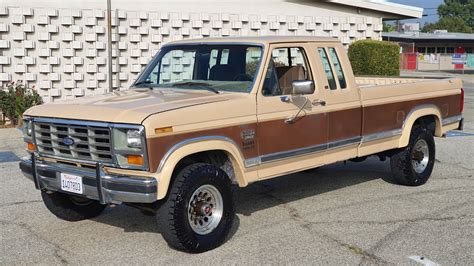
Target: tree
(450, 24)
(455, 16)
(388, 27)
(463, 9)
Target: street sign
(459, 59)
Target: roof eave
(390, 10)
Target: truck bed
(387, 102)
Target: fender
(193, 146)
(413, 115)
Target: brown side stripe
(157, 147)
(276, 136)
(387, 117)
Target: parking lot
(339, 214)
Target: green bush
(375, 58)
(15, 99)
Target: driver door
(280, 141)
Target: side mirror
(303, 87)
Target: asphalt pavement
(340, 214)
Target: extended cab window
(286, 65)
(338, 68)
(211, 67)
(327, 68)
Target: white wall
(60, 46)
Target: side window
(271, 86)
(327, 68)
(287, 65)
(338, 68)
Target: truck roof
(257, 39)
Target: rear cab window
(327, 68)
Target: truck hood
(130, 106)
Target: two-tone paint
(370, 115)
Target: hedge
(375, 58)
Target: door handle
(319, 102)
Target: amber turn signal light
(135, 159)
(163, 130)
(31, 147)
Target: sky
(430, 7)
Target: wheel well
(218, 158)
(428, 122)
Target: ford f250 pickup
(209, 113)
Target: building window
(421, 50)
(468, 50)
(431, 50)
(450, 50)
(440, 50)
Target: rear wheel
(198, 213)
(71, 208)
(413, 165)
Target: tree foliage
(455, 16)
(463, 9)
(450, 24)
(388, 27)
(371, 57)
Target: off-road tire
(403, 170)
(173, 214)
(66, 208)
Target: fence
(437, 62)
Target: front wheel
(413, 165)
(199, 211)
(71, 208)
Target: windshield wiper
(204, 85)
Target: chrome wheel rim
(205, 209)
(420, 156)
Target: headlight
(129, 147)
(134, 138)
(27, 128)
(28, 134)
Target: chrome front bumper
(97, 184)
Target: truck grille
(91, 143)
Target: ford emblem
(68, 141)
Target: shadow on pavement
(270, 193)
(267, 194)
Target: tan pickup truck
(209, 113)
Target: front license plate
(71, 183)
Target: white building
(60, 46)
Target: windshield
(216, 68)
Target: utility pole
(109, 42)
